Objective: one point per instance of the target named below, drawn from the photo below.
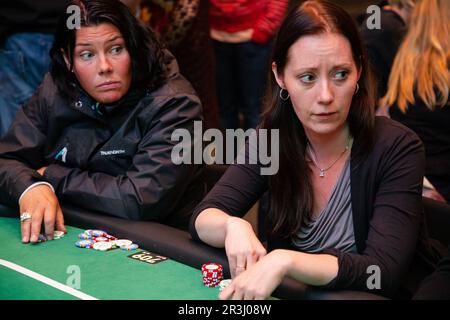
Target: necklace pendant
(322, 173)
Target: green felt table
(101, 275)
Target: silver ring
(25, 216)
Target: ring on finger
(25, 216)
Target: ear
(279, 78)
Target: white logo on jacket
(111, 152)
(62, 154)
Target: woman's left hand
(261, 279)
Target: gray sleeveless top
(333, 228)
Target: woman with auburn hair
(418, 91)
(347, 196)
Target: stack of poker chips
(101, 240)
(212, 274)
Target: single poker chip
(102, 246)
(224, 283)
(130, 247)
(211, 274)
(212, 267)
(84, 243)
(110, 237)
(58, 234)
(84, 236)
(95, 233)
(122, 242)
(100, 239)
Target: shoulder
(386, 131)
(175, 85)
(175, 98)
(45, 97)
(393, 140)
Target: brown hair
(291, 195)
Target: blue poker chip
(95, 233)
(84, 236)
(42, 238)
(84, 244)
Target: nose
(326, 95)
(104, 64)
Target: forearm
(15, 178)
(311, 269)
(124, 196)
(211, 226)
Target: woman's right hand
(43, 206)
(242, 246)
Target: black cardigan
(386, 200)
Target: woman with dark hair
(97, 133)
(345, 205)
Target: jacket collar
(86, 104)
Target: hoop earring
(285, 98)
(357, 88)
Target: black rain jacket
(116, 162)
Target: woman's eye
(116, 50)
(307, 78)
(341, 75)
(86, 55)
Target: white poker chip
(211, 267)
(58, 234)
(102, 246)
(224, 283)
(130, 247)
(122, 242)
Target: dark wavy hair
(146, 53)
(291, 193)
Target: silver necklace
(323, 170)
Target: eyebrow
(107, 41)
(338, 66)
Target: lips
(109, 85)
(325, 114)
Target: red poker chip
(212, 274)
(212, 267)
(101, 239)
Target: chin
(109, 97)
(326, 128)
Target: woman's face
(101, 62)
(320, 76)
